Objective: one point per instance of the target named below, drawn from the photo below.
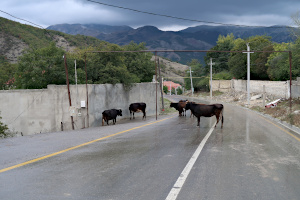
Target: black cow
(200, 110)
(110, 115)
(137, 107)
(180, 106)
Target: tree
(278, 62)
(220, 58)
(39, 67)
(3, 129)
(258, 68)
(138, 63)
(165, 89)
(7, 71)
(198, 71)
(258, 60)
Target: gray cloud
(255, 12)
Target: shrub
(3, 129)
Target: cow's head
(119, 112)
(173, 105)
(188, 105)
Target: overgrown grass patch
(282, 111)
(206, 94)
(167, 109)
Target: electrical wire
(22, 19)
(181, 18)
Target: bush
(3, 129)
(165, 89)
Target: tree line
(264, 65)
(38, 67)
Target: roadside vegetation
(3, 129)
(167, 109)
(283, 112)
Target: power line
(22, 19)
(181, 18)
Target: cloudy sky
(194, 12)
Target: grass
(167, 109)
(206, 94)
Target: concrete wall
(48, 110)
(296, 88)
(221, 85)
(278, 89)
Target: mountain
(193, 38)
(88, 29)
(16, 37)
(279, 34)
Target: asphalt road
(252, 157)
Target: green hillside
(32, 58)
(16, 37)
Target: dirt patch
(172, 70)
(63, 43)
(11, 47)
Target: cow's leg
(130, 113)
(198, 122)
(218, 118)
(144, 114)
(133, 115)
(222, 118)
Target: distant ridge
(193, 38)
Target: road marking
(75, 147)
(281, 128)
(184, 174)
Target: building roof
(171, 84)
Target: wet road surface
(250, 158)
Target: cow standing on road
(180, 106)
(137, 107)
(110, 115)
(200, 110)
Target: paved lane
(250, 158)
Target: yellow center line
(75, 147)
(297, 138)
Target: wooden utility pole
(67, 80)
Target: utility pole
(211, 64)
(161, 87)
(192, 88)
(248, 73)
(68, 86)
(77, 99)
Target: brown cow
(200, 110)
(180, 106)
